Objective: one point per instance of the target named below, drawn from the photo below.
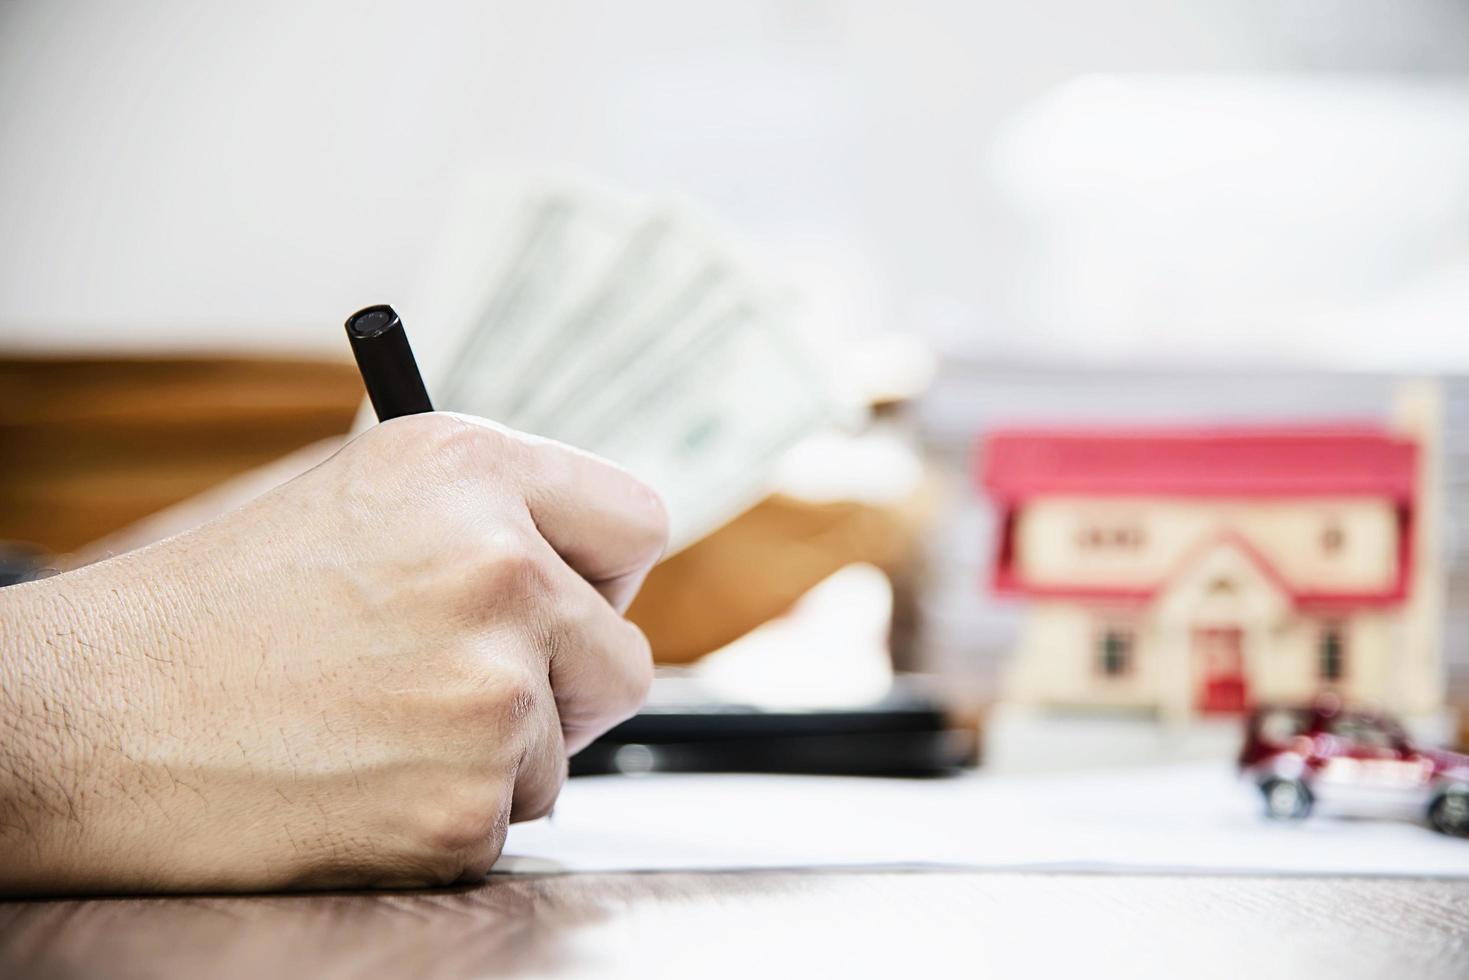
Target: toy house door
(1220, 668)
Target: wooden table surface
(770, 924)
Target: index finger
(605, 523)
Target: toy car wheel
(1449, 813)
(1285, 799)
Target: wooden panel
(829, 923)
(90, 445)
(756, 566)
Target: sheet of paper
(1177, 818)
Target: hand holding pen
(359, 678)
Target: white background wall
(242, 175)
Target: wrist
(68, 691)
(41, 759)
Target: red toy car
(1358, 762)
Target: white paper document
(1184, 818)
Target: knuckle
(502, 703)
(461, 823)
(466, 444)
(507, 565)
(453, 444)
(552, 463)
(514, 696)
(427, 431)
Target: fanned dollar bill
(625, 327)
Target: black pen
(389, 371)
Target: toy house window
(1114, 651)
(1333, 652)
(1332, 538)
(1095, 537)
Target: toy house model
(1186, 573)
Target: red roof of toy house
(1015, 465)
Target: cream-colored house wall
(1051, 536)
(1058, 661)
(1418, 676)
(1376, 661)
(1291, 672)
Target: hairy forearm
(76, 652)
(42, 753)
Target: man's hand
(360, 678)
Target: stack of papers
(1195, 817)
(627, 328)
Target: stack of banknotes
(627, 327)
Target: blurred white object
(877, 466)
(1309, 219)
(626, 327)
(1172, 818)
(829, 650)
(889, 366)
